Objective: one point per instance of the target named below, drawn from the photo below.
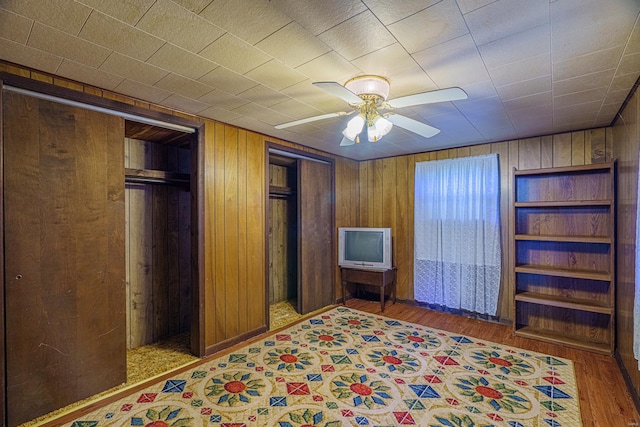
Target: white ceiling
(530, 67)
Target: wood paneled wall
(627, 135)
(158, 245)
(387, 189)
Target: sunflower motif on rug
(346, 367)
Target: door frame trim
(283, 150)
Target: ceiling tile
(467, 6)
(132, 69)
(307, 93)
(64, 44)
(623, 82)
(410, 82)
(30, 57)
(276, 75)
(616, 97)
(251, 20)
(263, 95)
(527, 69)
(389, 60)
(65, 15)
(430, 27)
(116, 35)
(235, 54)
(187, 105)
(14, 27)
(82, 73)
(524, 88)
(517, 47)
(390, 11)
(358, 36)
(183, 86)
(542, 100)
(293, 45)
(318, 16)
(263, 114)
(296, 110)
(503, 18)
(180, 61)
(171, 22)
(591, 96)
(142, 91)
(223, 100)
(219, 114)
(126, 11)
(591, 63)
(329, 67)
(633, 45)
(195, 6)
(453, 63)
(630, 64)
(229, 81)
(584, 82)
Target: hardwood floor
(604, 398)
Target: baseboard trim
(226, 344)
(627, 380)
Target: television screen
(366, 246)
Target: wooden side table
(381, 278)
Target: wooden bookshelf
(564, 264)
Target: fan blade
(346, 141)
(413, 125)
(451, 94)
(311, 119)
(340, 91)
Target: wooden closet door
(315, 236)
(64, 254)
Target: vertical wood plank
(505, 295)
(243, 266)
(546, 151)
(598, 145)
(529, 153)
(577, 148)
(562, 150)
(231, 230)
(220, 234)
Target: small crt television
(368, 248)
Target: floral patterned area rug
(346, 367)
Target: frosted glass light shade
(369, 85)
(354, 127)
(380, 128)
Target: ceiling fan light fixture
(354, 127)
(369, 85)
(379, 128)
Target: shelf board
(557, 338)
(156, 176)
(564, 302)
(564, 204)
(275, 189)
(569, 239)
(563, 170)
(558, 272)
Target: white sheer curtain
(457, 233)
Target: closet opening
(283, 237)
(158, 242)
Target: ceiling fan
(368, 96)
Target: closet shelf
(569, 239)
(149, 176)
(564, 203)
(285, 191)
(562, 272)
(556, 337)
(564, 302)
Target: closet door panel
(315, 237)
(64, 257)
